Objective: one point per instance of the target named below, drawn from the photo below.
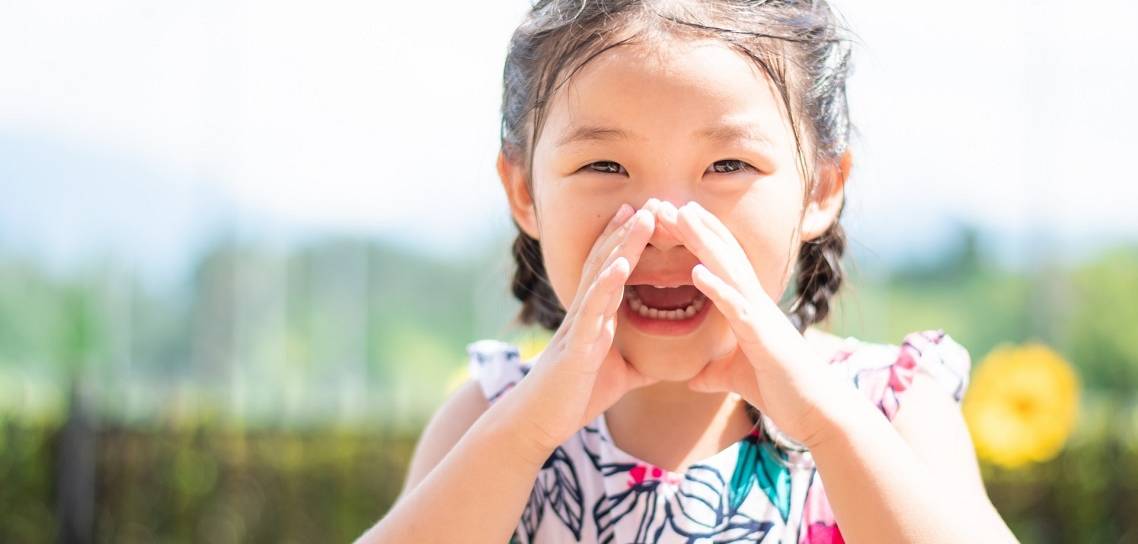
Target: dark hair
(801, 45)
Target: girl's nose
(664, 237)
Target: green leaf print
(758, 461)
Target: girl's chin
(667, 373)
(668, 360)
(665, 361)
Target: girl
(665, 163)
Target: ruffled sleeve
(933, 352)
(495, 365)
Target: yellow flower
(1021, 405)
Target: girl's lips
(663, 327)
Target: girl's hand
(580, 373)
(774, 368)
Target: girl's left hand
(774, 368)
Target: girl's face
(678, 121)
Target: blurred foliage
(1101, 327)
(342, 329)
(208, 483)
(276, 394)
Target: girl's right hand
(580, 373)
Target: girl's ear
(826, 201)
(522, 207)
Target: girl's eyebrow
(724, 132)
(734, 131)
(589, 133)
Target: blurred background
(243, 245)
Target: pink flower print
(818, 521)
(641, 472)
(821, 533)
(901, 371)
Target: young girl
(666, 163)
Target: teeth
(639, 307)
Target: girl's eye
(729, 166)
(605, 167)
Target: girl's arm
(881, 491)
(477, 492)
(878, 487)
(443, 431)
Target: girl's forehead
(659, 87)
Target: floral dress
(763, 488)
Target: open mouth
(665, 303)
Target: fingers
(596, 308)
(710, 221)
(671, 213)
(628, 240)
(631, 247)
(741, 314)
(592, 311)
(613, 230)
(616, 229)
(617, 295)
(713, 378)
(710, 241)
(607, 241)
(667, 212)
(708, 246)
(622, 214)
(728, 301)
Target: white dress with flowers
(759, 489)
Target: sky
(143, 130)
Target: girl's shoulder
(884, 371)
(496, 365)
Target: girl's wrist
(844, 412)
(514, 423)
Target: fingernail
(691, 208)
(619, 263)
(643, 212)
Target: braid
(819, 276)
(531, 285)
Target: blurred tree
(1103, 321)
